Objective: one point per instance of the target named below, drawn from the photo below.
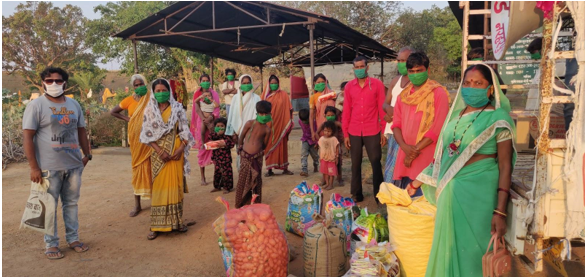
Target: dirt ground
(118, 243)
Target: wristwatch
(89, 157)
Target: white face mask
(54, 90)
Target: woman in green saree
(470, 178)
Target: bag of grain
(411, 224)
(324, 249)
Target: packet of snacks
(374, 260)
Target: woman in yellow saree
(140, 153)
(166, 130)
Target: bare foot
(135, 212)
(203, 182)
(329, 187)
(214, 190)
(227, 191)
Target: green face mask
(319, 87)
(536, 56)
(207, 100)
(475, 97)
(402, 67)
(477, 59)
(264, 119)
(230, 77)
(163, 96)
(331, 118)
(205, 85)
(219, 129)
(246, 87)
(274, 86)
(360, 73)
(142, 90)
(418, 78)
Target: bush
(106, 130)
(12, 134)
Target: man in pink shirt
(363, 125)
(419, 114)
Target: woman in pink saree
(204, 157)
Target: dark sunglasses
(51, 81)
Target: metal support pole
(261, 81)
(465, 23)
(382, 69)
(212, 72)
(311, 27)
(485, 33)
(135, 57)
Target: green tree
(39, 35)
(154, 60)
(368, 17)
(89, 80)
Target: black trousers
(374, 152)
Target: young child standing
(222, 158)
(329, 148)
(332, 115)
(307, 144)
(252, 143)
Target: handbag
(498, 262)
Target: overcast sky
(8, 8)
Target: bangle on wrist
(499, 213)
(504, 190)
(411, 185)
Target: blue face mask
(475, 97)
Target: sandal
(152, 235)
(269, 174)
(57, 257)
(79, 246)
(287, 172)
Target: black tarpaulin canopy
(341, 53)
(245, 32)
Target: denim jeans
(67, 184)
(307, 150)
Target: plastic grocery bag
(251, 241)
(39, 212)
(339, 211)
(411, 224)
(363, 226)
(374, 260)
(304, 201)
(324, 249)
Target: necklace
(454, 147)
